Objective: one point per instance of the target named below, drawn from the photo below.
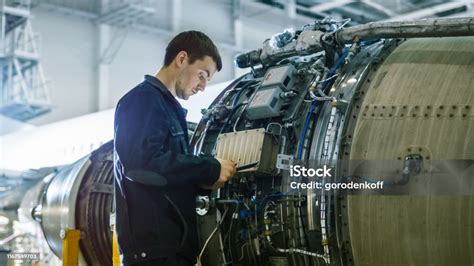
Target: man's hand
(227, 172)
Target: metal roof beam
(427, 12)
(14, 11)
(361, 13)
(125, 14)
(329, 5)
(68, 11)
(380, 8)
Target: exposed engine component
(374, 104)
(280, 76)
(322, 34)
(249, 146)
(265, 103)
(274, 92)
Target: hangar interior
(65, 64)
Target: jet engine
(376, 109)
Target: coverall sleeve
(142, 136)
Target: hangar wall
(68, 48)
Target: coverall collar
(162, 88)
(157, 84)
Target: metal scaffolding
(24, 94)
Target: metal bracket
(284, 161)
(203, 205)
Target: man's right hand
(228, 170)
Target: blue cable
(313, 105)
(243, 214)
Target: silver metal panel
(59, 203)
(265, 103)
(244, 147)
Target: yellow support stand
(70, 246)
(115, 248)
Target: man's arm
(141, 133)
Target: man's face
(194, 77)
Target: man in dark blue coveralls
(156, 178)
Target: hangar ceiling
(361, 11)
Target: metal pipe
(228, 202)
(310, 41)
(433, 27)
(10, 238)
(304, 252)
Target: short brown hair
(196, 44)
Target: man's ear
(181, 59)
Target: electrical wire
(304, 252)
(242, 251)
(181, 217)
(328, 79)
(234, 110)
(313, 106)
(252, 249)
(242, 89)
(346, 21)
(235, 106)
(210, 237)
(228, 235)
(325, 84)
